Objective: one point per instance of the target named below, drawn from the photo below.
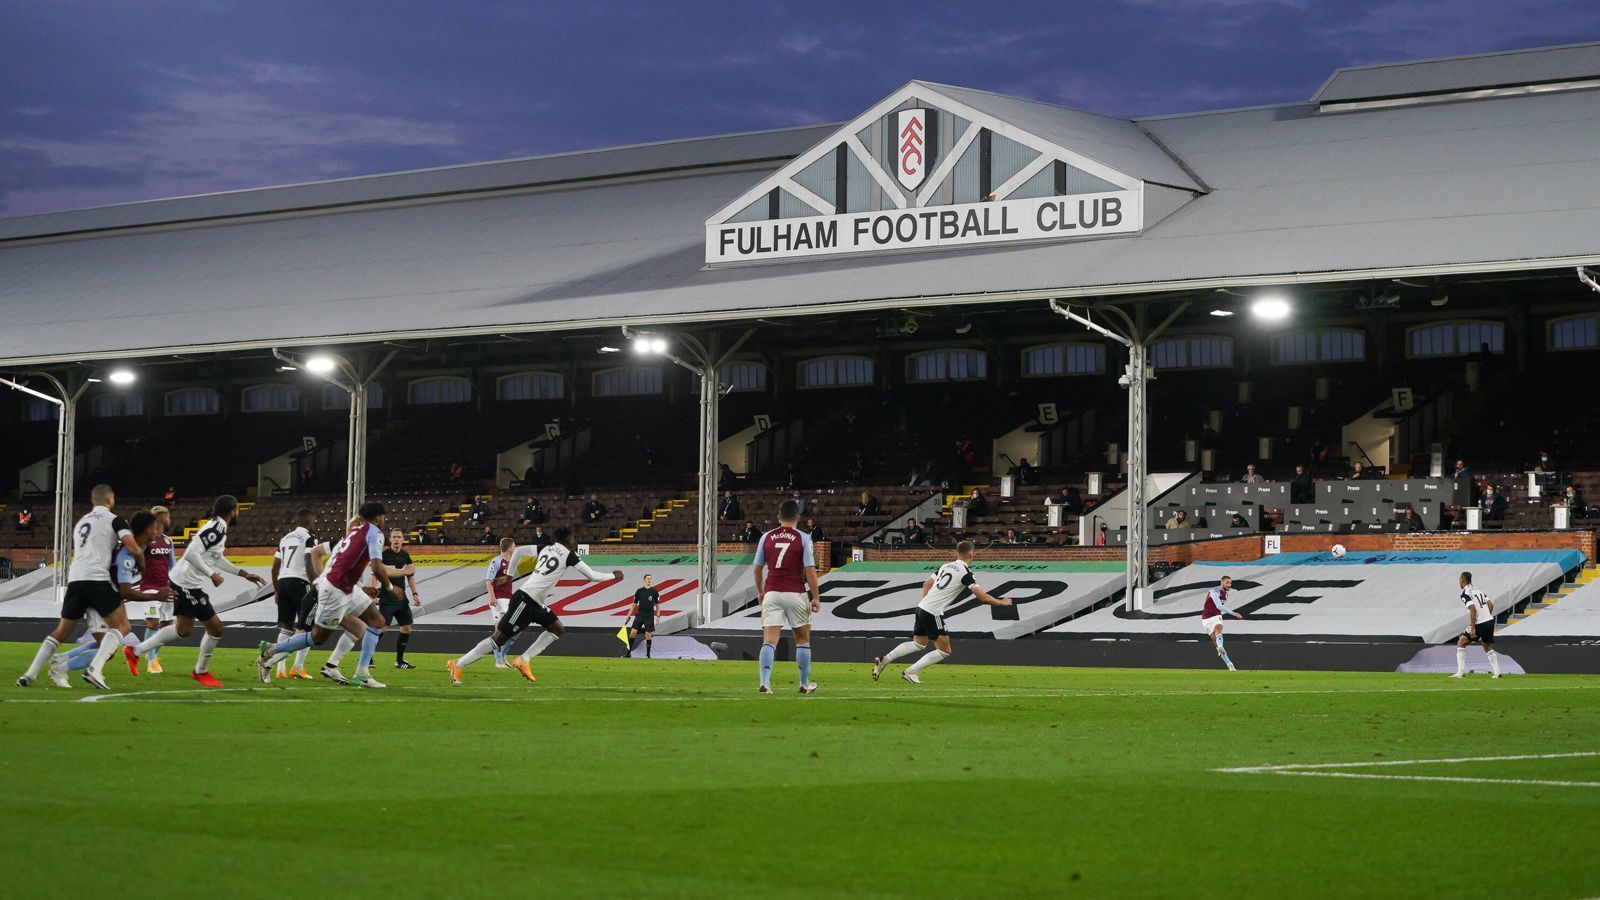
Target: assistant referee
(646, 601)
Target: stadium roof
(1432, 77)
(1256, 196)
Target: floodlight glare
(1222, 313)
(658, 345)
(122, 376)
(641, 345)
(1270, 308)
(321, 365)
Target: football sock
(802, 659)
(648, 643)
(80, 657)
(500, 652)
(165, 636)
(345, 645)
(107, 647)
(1494, 661)
(280, 651)
(300, 656)
(767, 653)
(369, 646)
(208, 646)
(47, 649)
(148, 633)
(1461, 660)
(905, 649)
(128, 639)
(283, 635)
(400, 647)
(933, 656)
(544, 641)
(484, 648)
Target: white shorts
(498, 607)
(791, 608)
(152, 609)
(333, 605)
(1207, 624)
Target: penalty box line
(1333, 770)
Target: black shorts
(524, 611)
(82, 596)
(395, 611)
(308, 605)
(193, 604)
(928, 625)
(644, 626)
(1483, 633)
(291, 598)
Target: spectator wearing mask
(977, 504)
(488, 537)
(540, 539)
(594, 510)
(869, 505)
(1573, 498)
(533, 513)
(1251, 476)
(1494, 504)
(729, 510)
(477, 512)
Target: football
(1338, 551)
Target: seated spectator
(913, 533)
(1357, 473)
(540, 539)
(1238, 521)
(1301, 487)
(1494, 504)
(799, 501)
(1412, 521)
(1573, 498)
(749, 534)
(438, 537)
(1103, 537)
(729, 510)
(977, 504)
(1180, 519)
(1071, 499)
(1011, 537)
(869, 505)
(478, 512)
(533, 513)
(169, 497)
(488, 537)
(1250, 475)
(1025, 472)
(455, 472)
(726, 480)
(813, 530)
(594, 510)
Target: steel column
(706, 544)
(1137, 575)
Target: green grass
(672, 778)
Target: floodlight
(321, 365)
(122, 376)
(1270, 308)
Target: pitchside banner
(880, 598)
(1407, 596)
(1005, 221)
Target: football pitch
(673, 778)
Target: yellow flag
(622, 635)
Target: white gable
(922, 169)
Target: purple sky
(111, 101)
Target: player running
(497, 582)
(786, 570)
(939, 591)
(342, 601)
(1216, 607)
(201, 567)
(96, 538)
(293, 570)
(127, 577)
(527, 605)
(1480, 627)
(642, 613)
(154, 581)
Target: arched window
(439, 389)
(1197, 352)
(1577, 332)
(743, 376)
(40, 411)
(627, 381)
(1049, 360)
(270, 398)
(836, 371)
(1319, 345)
(110, 406)
(531, 386)
(1455, 338)
(195, 401)
(335, 397)
(947, 365)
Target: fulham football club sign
(912, 128)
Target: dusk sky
(118, 101)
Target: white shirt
(949, 583)
(294, 549)
(95, 540)
(1473, 597)
(202, 556)
(553, 562)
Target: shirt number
(944, 580)
(783, 550)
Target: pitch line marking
(1330, 770)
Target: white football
(1338, 551)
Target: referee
(402, 575)
(646, 601)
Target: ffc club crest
(911, 126)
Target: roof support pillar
(66, 401)
(355, 378)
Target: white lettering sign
(1005, 221)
